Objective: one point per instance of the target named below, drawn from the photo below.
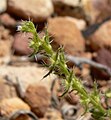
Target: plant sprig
(91, 101)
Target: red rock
(66, 33)
(38, 98)
(102, 37)
(72, 98)
(7, 20)
(21, 43)
(103, 57)
(38, 10)
(9, 106)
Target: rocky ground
(83, 27)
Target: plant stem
(81, 90)
(58, 65)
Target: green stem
(62, 66)
(49, 51)
(83, 92)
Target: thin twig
(55, 100)
(16, 114)
(18, 86)
(80, 60)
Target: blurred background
(83, 27)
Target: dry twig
(79, 61)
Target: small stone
(103, 57)
(72, 98)
(38, 98)
(9, 106)
(7, 20)
(65, 32)
(21, 43)
(102, 37)
(38, 10)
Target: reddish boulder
(103, 57)
(65, 32)
(21, 43)
(9, 106)
(102, 37)
(38, 99)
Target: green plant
(91, 101)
